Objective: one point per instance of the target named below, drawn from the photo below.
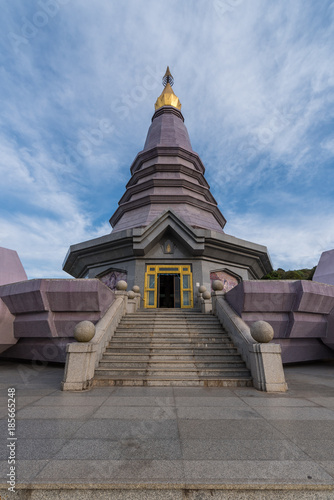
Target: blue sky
(78, 85)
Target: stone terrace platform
(170, 442)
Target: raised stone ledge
(301, 313)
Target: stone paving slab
(195, 439)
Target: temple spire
(167, 97)
(168, 78)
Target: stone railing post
(264, 360)
(121, 287)
(218, 291)
(136, 291)
(83, 356)
(206, 302)
(132, 303)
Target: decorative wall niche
(112, 276)
(227, 277)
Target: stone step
(163, 339)
(165, 357)
(168, 347)
(158, 346)
(171, 324)
(174, 321)
(174, 370)
(169, 365)
(176, 351)
(165, 331)
(118, 363)
(186, 341)
(171, 379)
(170, 328)
(168, 335)
(167, 328)
(176, 382)
(190, 319)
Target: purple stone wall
(300, 312)
(11, 270)
(47, 310)
(167, 129)
(324, 272)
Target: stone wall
(46, 311)
(300, 312)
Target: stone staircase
(163, 347)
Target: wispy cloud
(256, 82)
(291, 241)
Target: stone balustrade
(83, 357)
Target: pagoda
(168, 235)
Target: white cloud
(292, 243)
(42, 243)
(256, 85)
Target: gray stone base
(170, 492)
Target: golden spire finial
(167, 97)
(168, 78)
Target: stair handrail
(263, 360)
(82, 358)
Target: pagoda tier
(167, 174)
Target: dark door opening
(169, 290)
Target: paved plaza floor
(176, 436)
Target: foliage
(297, 274)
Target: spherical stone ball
(122, 285)
(131, 294)
(206, 295)
(202, 289)
(84, 331)
(262, 332)
(136, 288)
(217, 285)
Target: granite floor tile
(128, 429)
(328, 466)
(158, 401)
(144, 391)
(96, 391)
(228, 429)
(296, 430)
(47, 429)
(327, 402)
(64, 412)
(317, 449)
(203, 392)
(26, 470)
(250, 392)
(256, 471)
(20, 401)
(281, 402)
(291, 413)
(133, 434)
(122, 449)
(71, 400)
(241, 449)
(87, 471)
(35, 449)
(142, 449)
(88, 449)
(32, 392)
(226, 402)
(219, 413)
(138, 412)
